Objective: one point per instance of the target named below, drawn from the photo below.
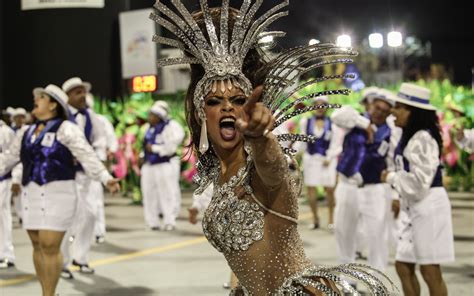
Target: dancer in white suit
(105, 152)
(159, 182)
(19, 125)
(175, 160)
(7, 255)
(361, 197)
(86, 215)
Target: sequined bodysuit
(257, 233)
(261, 246)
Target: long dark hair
(254, 68)
(421, 119)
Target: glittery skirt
(332, 280)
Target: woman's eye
(212, 102)
(239, 101)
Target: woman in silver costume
(235, 98)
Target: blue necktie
(88, 127)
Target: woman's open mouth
(227, 128)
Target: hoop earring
(203, 142)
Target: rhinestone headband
(221, 58)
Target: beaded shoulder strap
(291, 219)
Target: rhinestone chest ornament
(230, 223)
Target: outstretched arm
(255, 124)
(70, 136)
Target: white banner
(46, 4)
(138, 51)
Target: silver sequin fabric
(265, 250)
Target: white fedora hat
(76, 82)
(383, 95)
(10, 111)
(414, 95)
(321, 99)
(19, 111)
(161, 109)
(54, 92)
(368, 93)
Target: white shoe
(226, 286)
(4, 264)
(169, 227)
(331, 227)
(99, 239)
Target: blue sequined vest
(152, 137)
(321, 145)
(46, 160)
(375, 154)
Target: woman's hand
(16, 189)
(149, 148)
(193, 213)
(383, 176)
(396, 208)
(370, 134)
(113, 185)
(256, 120)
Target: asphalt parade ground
(134, 261)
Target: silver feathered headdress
(223, 59)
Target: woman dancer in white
(320, 159)
(427, 234)
(48, 151)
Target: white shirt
(17, 172)
(70, 136)
(98, 134)
(172, 136)
(111, 142)
(422, 153)
(6, 138)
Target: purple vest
(46, 159)
(152, 137)
(402, 163)
(321, 145)
(375, 154)
(353, 151)
(367, 159)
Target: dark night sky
(48, 46)
(447, 25)
(438, 19)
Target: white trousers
(84, 223)
(176, 162)
(366, 208)
(158, 184)
(97, 190)
(6, 245)
(17, 204)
